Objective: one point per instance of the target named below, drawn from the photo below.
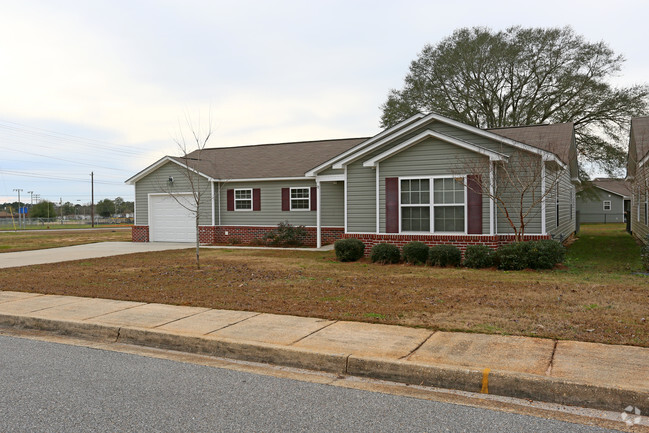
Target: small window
(607, 204)
(243, 199)
(300, 198)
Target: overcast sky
(101, 86)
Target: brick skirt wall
(140, 234)
(246, 234)
(460, 241)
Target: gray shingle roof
(267, 160)
(556, 138)
(618, 186)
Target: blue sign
(23, 210)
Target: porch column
(492, 222)
(318, 214)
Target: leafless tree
(521, 183)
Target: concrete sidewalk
(567, 372)
(87, 251)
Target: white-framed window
(607, 204)
(433, 205)
(301, 198)
(243, 199)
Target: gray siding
(361, 199)
(271, 212)
(157, 182)
(567, 222)
(430, 158)
(332, 195)
(591, 207)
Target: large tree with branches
(525, 76)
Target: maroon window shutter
(256, 199)
(314, 198)
(474, 203)
(392, 205)
(286, 199)
(230, 200)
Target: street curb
(509, 384)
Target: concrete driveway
(88, 251)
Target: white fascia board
(330, 178)
(264, 179)
(612, 192)
(493, 156)
(447, 121)
(365, 143)
(644, 160)
(150, 169)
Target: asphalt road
(50, 387)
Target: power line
(40, 176)
(61, 159)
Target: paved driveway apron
(80, 252)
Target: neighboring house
(606, 202)
(638, 176)
(414, 181)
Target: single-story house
(638, 176)
(607, 201)
(428, 178)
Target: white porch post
(213, 212)
(543, 227)
(492, 222)
(318, 214)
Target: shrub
(544, 254)
(385, 253)
(478, 256)
(349, 250)
(512, 257)
(444, 255)
(286, 235)
(235, 240)
(257, 242)
(415, 252)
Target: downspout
(213, 213)
(543, 192)
(218, 200)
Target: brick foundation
(247, 234)
(460, 241)
(140, 234)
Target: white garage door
(169, 221)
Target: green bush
(415, 252)
(444, 255)
(286, 235)
(512, 257)
(544, 254)
(349, 250)
(385, 253)
(478, 256)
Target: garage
(169, 220)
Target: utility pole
(31, 200)
(92, 198)
(19, 207)
(61, 208)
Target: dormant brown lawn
(567, 303)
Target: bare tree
(518, 185)
(192, 139)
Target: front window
(444, 203)
(243, 199)
(607, 205)
(300, 198)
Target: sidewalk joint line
(548, 371)
(311, 333)
(38, 295)
(234, 323)
(181, 318)
(48, 308)
(418, 346)
(116, 311)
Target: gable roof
(615, 186)
(261, 161)
(555, 138)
